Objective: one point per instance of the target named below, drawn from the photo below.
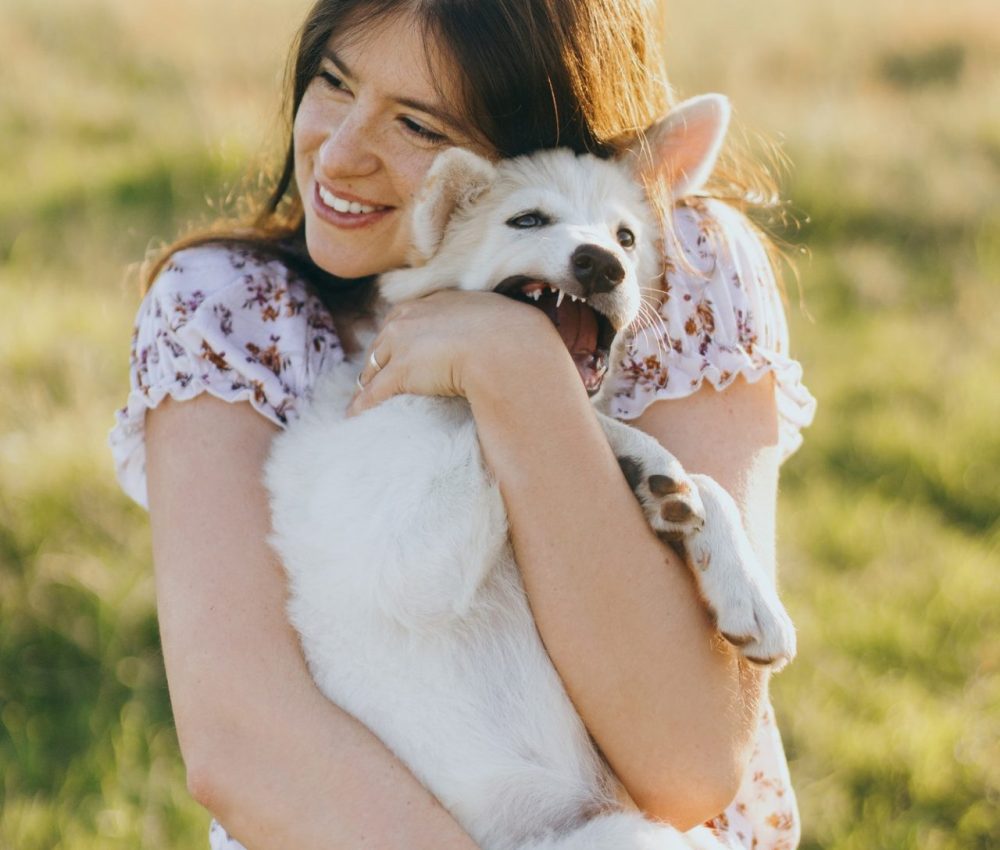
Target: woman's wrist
(523, 361)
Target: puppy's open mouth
(587, 333)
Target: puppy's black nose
(596, 268)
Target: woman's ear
(456, 177)
(681, 149)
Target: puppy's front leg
(700, 519)
(743, 598)
(668, 496)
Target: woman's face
(366, 132)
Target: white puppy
(402, 582)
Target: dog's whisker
(663, 335)
(648, 312)
(657, 340)
(649, 319)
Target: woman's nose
(350, 148)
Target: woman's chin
(341, 264)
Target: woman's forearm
(669, 705)
(276, 762)
(318, 780)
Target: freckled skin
(352, 134)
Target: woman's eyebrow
(411, 103)
(329, 54)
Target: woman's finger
(380, 386)
(378, 359)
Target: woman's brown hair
(582, 74)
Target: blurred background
(123, 122)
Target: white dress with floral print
(243, 328)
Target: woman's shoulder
(230, 321)
(707, 236)
(243, 277)
(720, 317)
(241, 300)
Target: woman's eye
(527, 220)
(422, 132)
(332, 80)
(626, 238)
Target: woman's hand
(438, 345)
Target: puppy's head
(572, 235)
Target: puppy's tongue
(577, 325)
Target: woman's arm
(668, 702)
(275, 761)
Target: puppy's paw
(673, 506)
(668, 497)
(747, 610)
(762, 632)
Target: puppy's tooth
(560, 298)
(552, 289)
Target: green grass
(117, 130)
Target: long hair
(535, 74)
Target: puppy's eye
(626, 238)
(527, 220)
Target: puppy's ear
(681, 149)
(457, 177)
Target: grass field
(120, 122)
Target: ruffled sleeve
(227, 322)
(721, 317)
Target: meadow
(123, 123)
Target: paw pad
(664, 485)
(676, 510)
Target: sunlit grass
(121, 121)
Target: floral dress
(242, 327)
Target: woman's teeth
(342, 205)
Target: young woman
(237, 324)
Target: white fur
(402, 583)
(588, 200)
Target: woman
(252, 314)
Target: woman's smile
(347, 211)
(365, 134)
